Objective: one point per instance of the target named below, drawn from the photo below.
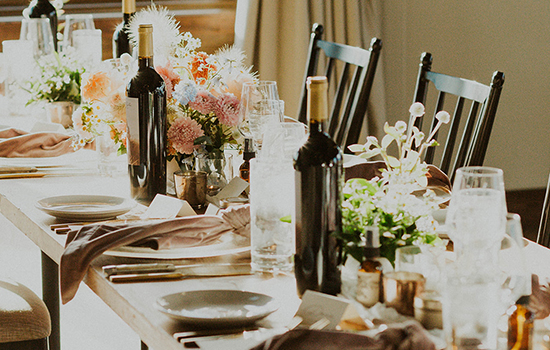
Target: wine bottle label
(368, 288)
(132, 137)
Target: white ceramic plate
(229, 243)
(85, 207)
(217, 307)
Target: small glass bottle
(520, 325)
(369, 276)
(248, 153)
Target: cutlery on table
(165, 271)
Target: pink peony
(227, 109)
(182, 134)
(204, 102)
(171, 78)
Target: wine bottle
(146, 124)
(43, 8)
(121, 40)
(318, 166)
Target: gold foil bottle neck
(145, 40)
(128, 6)
(317, 104)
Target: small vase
(60, 112)
(219, 170)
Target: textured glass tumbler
(271, 208)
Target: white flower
(417, 109)
(443, 117)
(401, 126)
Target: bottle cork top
(145, 40)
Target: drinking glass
(283, 140)
(87, 43)
(39, 31)
(471, 310)
(252, 94)
(265, 114)
(476, 217)
(75, 22)
(271, 206)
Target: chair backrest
(476, 129)
(543, 236)
(350, 96)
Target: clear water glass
(265, 114)
(39, 31)
(283, 140)
(476, 217)
(75, 22)
(87, 43)
(271, 207)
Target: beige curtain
(275, 34)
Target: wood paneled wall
(210, 20)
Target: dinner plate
(217, 307)
(85, 207)
(227, 244)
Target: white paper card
(316, 306)
(165, 207)
(233, 189)
(48, 127)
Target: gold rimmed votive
(400, 288)
(191, 186)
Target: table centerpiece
(391, 201)
(203, 95)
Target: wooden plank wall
(212, 21)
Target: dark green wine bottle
(318, 166)
(121, 39)
(146, 124)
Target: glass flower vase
(219, 168)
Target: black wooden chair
(543, 236)
(476, 129)
(351, 94)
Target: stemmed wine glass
(251, 100)
(73, 23)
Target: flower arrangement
(103, 108)
(58, 79)
(389, 201)
(203, 92)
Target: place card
(339, 312)
(233, 189)
(48, 127)
(166, 207)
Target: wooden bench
(212, 21)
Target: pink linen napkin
(406, 336)
(90, 241)
(18, 143)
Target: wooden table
(133, 302)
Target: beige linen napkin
(406, 336)
(90, 241)
(18, 143)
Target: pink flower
(171, 78)
(227, 109)
(204, 102)
(182, 134)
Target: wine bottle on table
(319, 177)
(43, 8)
(121, 39)
(146, 124)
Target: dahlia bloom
(182, 134)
